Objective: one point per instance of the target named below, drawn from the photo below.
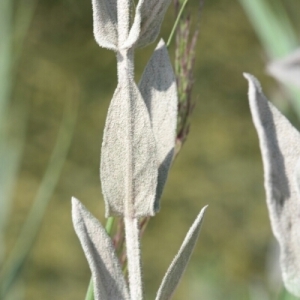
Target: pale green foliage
(287, 70)
(15, 20)
(275, 31)
(137, 150)
(280, 147)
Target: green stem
(176, 22)
(109, 225)
(90, 291)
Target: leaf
(105, 18)
(128, 157)
(159, 91)
(280, 147)
(179, 263)
(147, 21)
(287, 70)
(108, 279)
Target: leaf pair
(139, 140)
(280, 147)
(145, 28)
(108, 279)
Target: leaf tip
(201, 214)
(202, 211)
(253, 81)
(161, 43)
(77, 208)
(75, 204)
(74, 201)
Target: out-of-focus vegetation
(50, 61)
(277, 26)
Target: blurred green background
(56, 64)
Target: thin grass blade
(274, 29)
(30, 229)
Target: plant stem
(125, 74)
(133, 257)
(176, 22)
(109, 225)
(125, 70)
(123, 20)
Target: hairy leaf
(280, 147)
(106, 23)
(287, 69)
(158, 88)
(109, 282)
(146, 26)
(178, 265)
(128, 157)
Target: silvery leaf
(280, 147)
(105, 18)
(147, 21)
(108, 279)
(128, 156)
(179, 263)
(287, 69)
(159, 91)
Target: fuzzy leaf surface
(147, 22)
(287, 70)
(159, 91)
(128, 156)
(105, 19)
(108, 279)
(280, 147)
(179, 263)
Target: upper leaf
(287, 69)
(159, 91)
(280, 147)
(105, 18)
(147, 21)
(108, 279)
(179, 263)
(128, 156)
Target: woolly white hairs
(280, 148)
(137, 150)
